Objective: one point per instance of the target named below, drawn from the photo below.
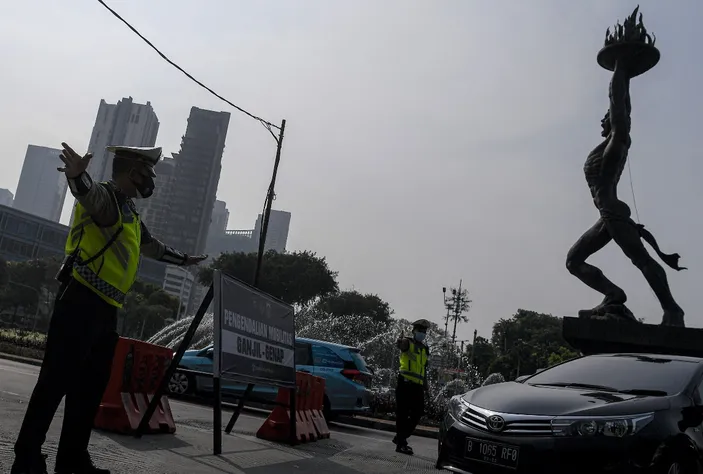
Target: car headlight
(457, 406)
(616, 426)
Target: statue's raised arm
(620, 106)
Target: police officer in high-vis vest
(103, 252)
(412, 384)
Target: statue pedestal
(596, 337)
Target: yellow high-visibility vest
(112, 274)
(413, 363)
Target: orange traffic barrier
(317, 403)
(302, 380)
(308, 399)
(137, 370)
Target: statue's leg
(591, 242)
(627, 236)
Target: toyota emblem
(495, 423)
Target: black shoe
(404, 449)
(83, 466)
(35, 465)
(395, 439)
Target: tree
(147, 309)
(4, 275)
(484, 353)
(525, 342)
(351, 302)
(29, 285)
(298, 278)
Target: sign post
(254, 343)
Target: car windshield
(621, 373)
(359, 361)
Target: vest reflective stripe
(113, 273)
(413, 363)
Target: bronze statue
(629, 51)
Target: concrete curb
(380, 425)
(20, 359)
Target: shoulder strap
(114, 237)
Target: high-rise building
(277, 232)
(196, 176)
(41, 189)
(126, 124)
(179, 282)
(157, 210)
(220, 218)
(6, 197)
(218, 224)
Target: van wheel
(181, 384)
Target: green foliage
(146, 311)
(27, 339)
(483, 353)
(562, 355)
(525, 343)
(351, 302)
(298, 278)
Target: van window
(302, 354)
(325, 357)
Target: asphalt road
(349, 450)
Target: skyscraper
(156, 211)
(6, 197)
(277, 232)
(219, 220)
(125, 123)
(41, 189)
(196, 176)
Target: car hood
(511, 397)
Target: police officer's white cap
(150, 156)
(422, 323)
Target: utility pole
(473, 350)
(447, 305)
(270, 196)
(460, 300)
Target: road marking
(16, 371)
(13, 394)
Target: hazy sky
(427, 141)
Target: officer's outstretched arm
(154, 248)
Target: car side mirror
(209, 354)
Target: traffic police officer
(103, 251)
(412, 384)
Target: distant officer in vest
(412, 384)
(103, 249)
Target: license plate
(492, 453)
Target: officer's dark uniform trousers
(410, 406)
(77, 364)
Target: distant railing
(241, 233)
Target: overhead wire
(268, 125)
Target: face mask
(144, 189)
(420, 336)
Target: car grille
(515, 424)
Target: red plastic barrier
(303, 380)
(309, 399)
(137, 370)
(317, 404)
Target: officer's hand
(194, 260)
(74, 164)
